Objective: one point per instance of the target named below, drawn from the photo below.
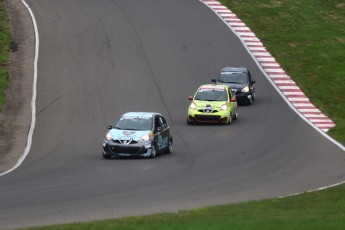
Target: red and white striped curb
(273, 70)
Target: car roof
(234, 69)
(140, 114)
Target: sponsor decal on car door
(163, 139)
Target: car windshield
(211, 95)
(134, 123)
(233, 77)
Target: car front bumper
(116, 150)
(243, 97)
(208, 118)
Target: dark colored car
(240, 81)
(138, 134)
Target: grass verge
(307, 37)
(318, 210)
(4, 51)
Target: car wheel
(106, 156)
(189, 122)
(253, 96)
(229, 121)
(153, 151)
(170, 146)
(250, 101)
(236, 116)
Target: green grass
(4, 50)
(307, 37)
(317, 210)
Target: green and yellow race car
(212, 104)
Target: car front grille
(125, 149)
(207, 111)
(123, 142)
(207, 118)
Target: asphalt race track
(101, 58)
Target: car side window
(163, 122)
(160, 122)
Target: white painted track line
(33, 99)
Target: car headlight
(245, 89)
(109, 137)
(192, 105)
(224, 107)
(144, 138)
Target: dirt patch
(15, 117)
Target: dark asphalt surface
(99, 59)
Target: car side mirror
(109, 127)
(214, 81)
(190, 98)
(253, 82)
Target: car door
(233, 102)
(162, 133)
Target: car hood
(234, 85)
(120, 134)
(215, 104)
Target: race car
(212, 104)
(240, 81)
(138, 134)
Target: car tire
(250, 101)
(236, 116)
(253, 96)
(189, 122)
(229, 121)
(170, 146)
(106, 156)
(153, 151)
